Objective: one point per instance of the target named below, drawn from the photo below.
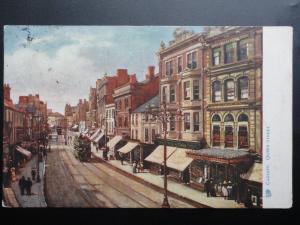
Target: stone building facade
(181, 80)
(233, 88)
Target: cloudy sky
(61, 63)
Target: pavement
(179, 189)
(37, 198)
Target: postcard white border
(277, 117)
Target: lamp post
(38, 179)
(164, 117)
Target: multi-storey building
(104, 91)
(181, 80)
(91, 114)
(131, 95)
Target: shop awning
(98, 138)
(226, 156)
(157, 156)
(115, 140)
(94, 135)
(128, 147)
(178, 160)
(86, 131)
(24, 151)
(75, 126)
(255, 173)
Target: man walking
(207, 187)
(28, 186)
(33, 173)
(22, 183)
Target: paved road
(70, 183)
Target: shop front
(221, 166)
(178, 164)
(156, 159)
(130, 152)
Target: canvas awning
(24, 151)
(75, 126)
(94, 135)
(157, 156)
(98, 138)
(128, 147)
(178, 160)
(255, 173)
(115, 140)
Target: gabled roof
(153, 101)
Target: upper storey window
(229, 90)
(243, 49)
(179, 64)
(192, 60)
(229, 52)
(169, 68)
(216, 56)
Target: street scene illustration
(132, 117)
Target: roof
(226, 156)
(155, 101)
(178, 160)
(255, 173)
(157, 156)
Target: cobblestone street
(70, 183)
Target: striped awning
(128, 147)
(95, 134)
(115, 140)
(255, 173)
(178, 160)
(24, 152)
(98, 138)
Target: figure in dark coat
(28, 186)
(33, 173)
(207, 187)
(22, 184)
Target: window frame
(187, 121)
(172, 95)
(179, 65)
(226, 90)
(185, 92)
(195, 122)
(198, 85)
(193, 65)
(214, 50)
(169, 67)
(231, 53)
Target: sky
(61, 63)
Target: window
(229, 90)
(196, 91)
(216, 118)
(164, 94)
(169, 68)
(228, 136)
(243, 137)
(196, 121)
(186, 87)
(132, 120)
(132, 134)
(243, 88)
(228, 118)
(229, 52)
(216, 91)
(187, 122)
(172, 93)
(126, 103)
(136, 119)
(153, 135)
(136, 134)
(172, 123)
(146, 135)
(125, 122)
(243, 49)
(179, 64)
(192, 61)
(216, 135)
(216, 56)
(243, 118)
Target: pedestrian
(211, 188)
(224, 190)
(22, 183)
(28, 186)
(33, 173)
(229, 189)
(220, 189)
(234, 192)
(121, 158)
(134, 167)
(138, 166)
(142, 167)
(207, 187)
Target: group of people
(25, 185)
(137, 167)
(226, 190)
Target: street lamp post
(38, 179)
(164, 117)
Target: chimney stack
(121, 72)
(7, 92)
(132, 79)
(151, 72)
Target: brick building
(131, 95)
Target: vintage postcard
(147, 116)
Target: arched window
(243, 90)
(229, 90)
(243, 131)
(216, 91)
(216, 118)
(228, 118)
(243, 118)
